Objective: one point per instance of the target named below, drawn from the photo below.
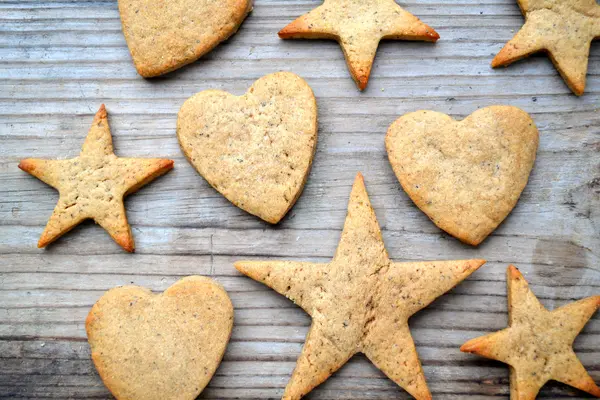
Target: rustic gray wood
(60, 59)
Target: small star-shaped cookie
(92, 186)
(538, 343)
(359, 302)
(358, 26)
(563, 28)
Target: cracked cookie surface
(538, 343)
(564, 29)
(92, 185)
(359, 302)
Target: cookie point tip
(593, 389)
(239, 265)
(495, 63)
(513, 272)
(471, 346)
(285, 33)
(102, 113)
(362, 82)
(466, 348)
(25, 165)
(168, 164)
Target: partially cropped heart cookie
(465, 175)
(165, 35)
(160, 346)
(255, 149)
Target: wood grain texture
(60, 59)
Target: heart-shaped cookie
(165, 35)
(465, 175)
(255, 149)
(159, 347)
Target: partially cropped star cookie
(358, 26)
(564, 29)
(360, 302)
(538, 343)
(92, 186)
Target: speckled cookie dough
(538, 343)
(359, 26)
(92, 186)
(164, 346)
(465, 175)
(360, 302)
(165, 35)
(255, 149)
(564, 29)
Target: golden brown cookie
(465, 175)
(164, 346)
(359, 302)
(92, 186)
(255, 149)
(358, 26)
(562, 28)
(538, 343)
(165, 35)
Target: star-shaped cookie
(92, 186)
(538, 343)
(358, 26)
(359, 302)
(563, 28)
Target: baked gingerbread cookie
(465, 175)
(562, 28)
(165, 35)
(255, 149)
(359, 26)
(537, 345)
(360, 302)
(164, 346)
(92, 186)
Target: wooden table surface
(59, 60)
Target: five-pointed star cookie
(563, 28)
(538, 343)
(359, 302)
(92, 186)
(359, 25)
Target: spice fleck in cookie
(538, 343)
(358, 26)
(255, 149)
(359, 302)
(165, 35)
(562, 28)
(465, 175)
(92, 186)
(164, 346)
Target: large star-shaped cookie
(538, 343)
(92, 186)
(359, 302)
(359, 25)
(563, 28)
